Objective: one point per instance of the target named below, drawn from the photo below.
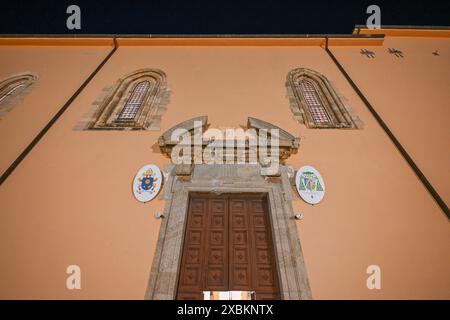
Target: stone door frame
(219, 179)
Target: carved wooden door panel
(264, 272)
(227, 247)
(204, 262)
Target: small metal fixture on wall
(397, 53)
(369, 54)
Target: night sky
(214, 17)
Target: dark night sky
(215, 17)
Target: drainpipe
(389, 133)
(55, 118)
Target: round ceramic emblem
(310, 185)
(147, 183)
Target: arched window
(12, 88)
(315, 102)
(135, 102)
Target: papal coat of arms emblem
(310, 185)
(147, 183)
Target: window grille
(133, 105)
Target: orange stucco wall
(70, 201)
(60, 69)
(411, 95)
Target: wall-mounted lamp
(158, 215)
(299, 216)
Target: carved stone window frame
(13, 89)
(225, 178)
(339, 115)
(107, 113)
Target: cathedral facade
(223, 128)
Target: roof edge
(405, 31)
(190, 40)
(205, 36)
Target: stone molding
(242, 179)
(341, 117)
(288, 144)
(14, 89)
(107, 109)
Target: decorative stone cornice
(165, 140)
(287, 143)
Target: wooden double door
(228, 246)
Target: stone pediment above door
(285, 138)
(257, 134)
(165, 140)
